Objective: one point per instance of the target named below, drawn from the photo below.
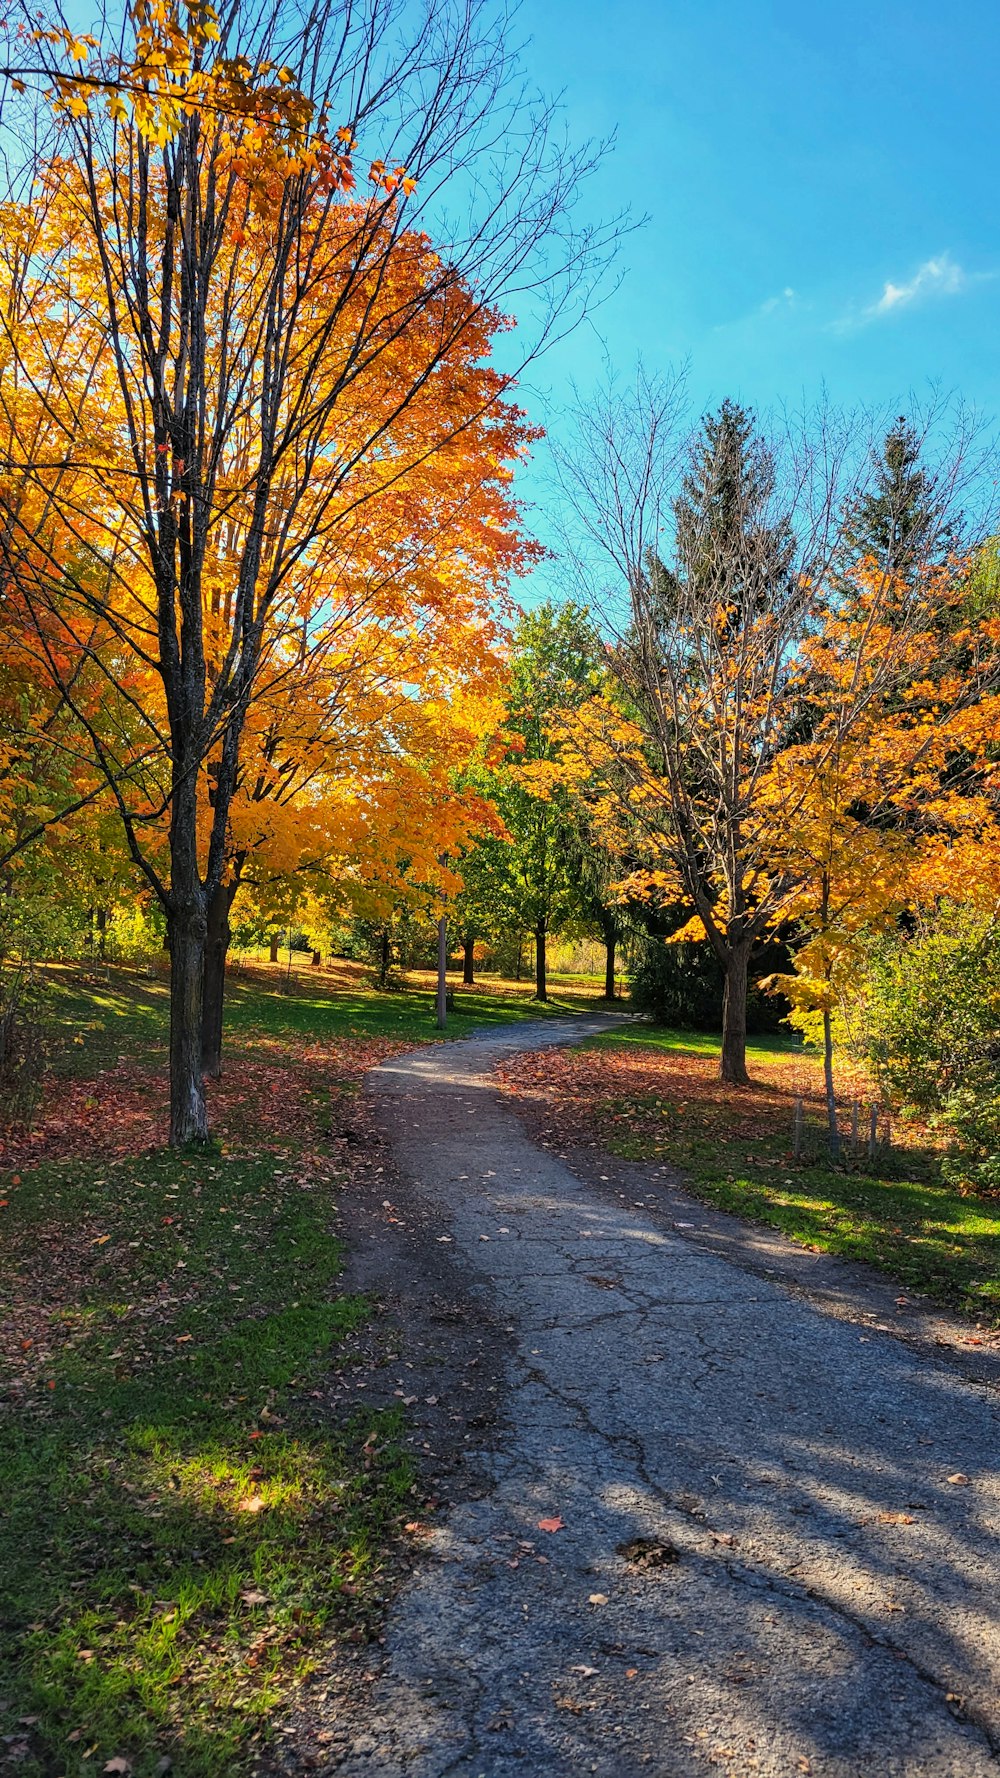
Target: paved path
(834, 1608)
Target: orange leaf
(550, 1525)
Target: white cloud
(784, 300)
(936, 277)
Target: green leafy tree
(532, 881)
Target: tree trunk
(442, 980)
(317, 959)
(275, 942)
(384, 959)
(541, 988)
(188, 1112)
(733, 1061)
(214, 991)
(609, 963)
(831, 1097)
(102, 931)
(469, 960)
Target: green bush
(931, 1033)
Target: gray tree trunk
(733, 1061)
(541, 984)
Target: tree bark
(469, 960)
(188, 1112)
(384, 959)
(609, 963)
(442, 974)
(541, 987)
(217, 939)
(275, 942)
(733, 1061)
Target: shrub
(930, 1033)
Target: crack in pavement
(758, 1423)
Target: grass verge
(183, 1527)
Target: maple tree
(222, 342)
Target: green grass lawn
(182, 1528)
(117, 1012)
(653, 1096)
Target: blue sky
(821, 188)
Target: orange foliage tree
(218, 350)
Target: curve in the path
(834, 1607)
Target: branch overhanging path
(826, 1602)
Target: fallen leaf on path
(958, 1479)
(648, 1552)
(550, 1525)
(598, 1599)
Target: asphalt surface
(760, 1564)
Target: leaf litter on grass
(183, 1528)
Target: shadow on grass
(182, 1528)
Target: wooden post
(873, 1132)
(442, 987)
(797, 1130)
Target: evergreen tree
(900, 523)
(727, 547)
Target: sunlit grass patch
(182, 1526)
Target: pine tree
(900, 523)
(725, 546)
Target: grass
(183, 1527)
(120, 1012)
(653, 1096)
(181, 1524)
